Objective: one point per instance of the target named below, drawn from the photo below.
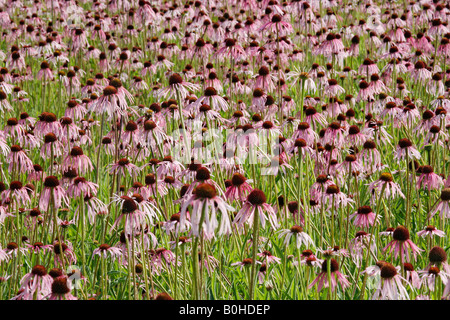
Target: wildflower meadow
(224, 150)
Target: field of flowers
(224, 150)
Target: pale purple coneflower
(298, 235)
(39, 247)
(361, 241)
(428, 179)
(239, 188)
(53, 194)
(205, 204)
(177, 88)
(130, 213)
(443, 206)
(105, 250)
(36, 284)
(430, 231)
(231, 50)
(336, 277)
(124, 166)
(386, 183)
(256, 204)
(333, 89)
(163, 258)
(364, 217)
(64, 250)
(402, 245)
(247, 262)
(431, 275)
(61, 289)
(390, 286)
(268, 257)
(17, 193)
(18, 160)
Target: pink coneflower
(39, 247)
(364, 217)
(355, 137)
(205, 205)
(81, 187)
(299, 146)
(132, 216)
(350, 165)
(17, 192)
(110, 103)
(77, 159)
(265, 80)
(105, 249)
(209, 262)
(319, 187)
(402, 244)
(365, 92)
(75, 110)
(169, 166)
(239, 188)
(18, 160)
(333, 89)
(405, 146)
(13, 128)
(390, 286)
(163, 259)
(48, 122)
(12, 250)
(430, 231)
(124, 166)
(52, 146)
(314, 118)
(45, 73)
(256, 204)
(336, 277)
(386, 181)
(36, 284)
(64, 251)
(15, 61)
(174, 226)
(334, 134)
(438, 257)
(277, 26)
(305, 132)
(428, 179)
(79, 39)
(368, 67)
(181, 241)
(420, 72)
(437, 28)
(297, 212)
(335, 198)
(298, 235)
(52, 194)
(411, 275)
(361, 241)
(61, 289)
(370, 156)
(211, 98)
(4, 104)
(268, 257)
(443, 205)
(247, 262)
(308, 258)
(232, 50)
(177, 88)
(430, 276)
(436, 86)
